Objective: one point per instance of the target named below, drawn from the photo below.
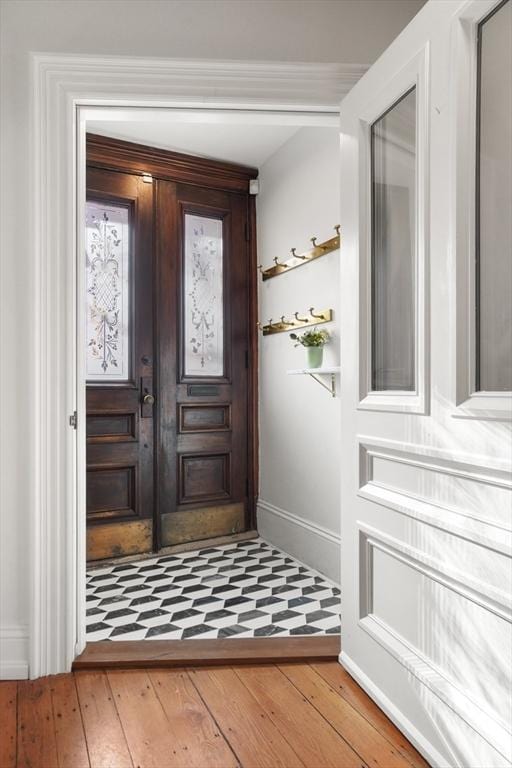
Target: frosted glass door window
(107, 284)
(494, 204)
(203, 292)
(393, 222)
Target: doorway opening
(171, 294)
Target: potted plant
(314, 341)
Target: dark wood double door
(170, 412)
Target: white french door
(426, 359)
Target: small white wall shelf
(315, 373)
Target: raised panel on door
(119, 327)
(204, 477)
(111, 492)
(203, 418)
(111, 427)
(203, 375)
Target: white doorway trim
(64, 87)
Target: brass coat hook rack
(312, 318)
(296, 259)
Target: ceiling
(244, 144)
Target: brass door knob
(148, 399)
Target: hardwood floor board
(69, 729)
(366, 740)
(195, 733)
(339, 679)
(290, 715)
(144, 722)
(8, 715)
(37, 746)
(253, 736)
(317, 743)
(106, 742)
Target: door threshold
(126, 654)
(188, 546)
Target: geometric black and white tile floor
(248, 589)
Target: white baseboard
(13, 653)
(429, 752)
(314, 545)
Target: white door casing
(426, 474)
(68, 89)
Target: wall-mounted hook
(259, 326)
(286, 322)
(313, 241)
(301, 319)
(260, 268)
(276, 262)
(297, 255)
(337, 228)
(320, 317)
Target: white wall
(278, 30)
(275, 30)
(299, 501)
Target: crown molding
(292, 84)
(130, 157)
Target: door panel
(119, 365)
(426, 457)
(202, 255)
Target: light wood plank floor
(273, 716)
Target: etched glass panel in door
(393, 225)
(494, 203)
(203, 297)
(107, 285)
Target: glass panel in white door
(393, 182)
(494, 203)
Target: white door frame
(63, 87)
